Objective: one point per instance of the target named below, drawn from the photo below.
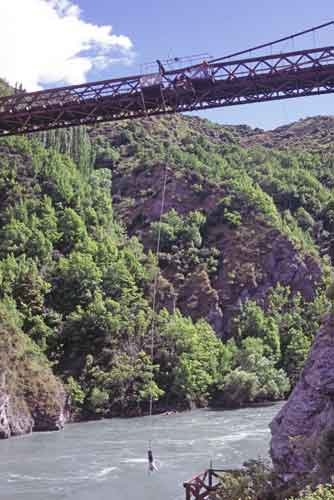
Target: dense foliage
(258, 480)
(82, 288)
(288, 189)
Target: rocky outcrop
(308, 416)
(16, 418)
(52, 420)
(198, 297)
(31, 396)
(253, 258)
(4, 420)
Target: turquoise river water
(106, 460)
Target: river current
(106, 460)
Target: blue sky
(181, 27)
(49, 40)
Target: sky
(45, 43)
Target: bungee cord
(151, 464)
(275, 42)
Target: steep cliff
(251, 256)
(31, 398)
(302, 432)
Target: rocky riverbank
(31, 396)
(20, 416)
(301, 432)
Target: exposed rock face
(18, 416)
(15, 418)
(253, 258)
(198, 296)
(309, 412)
(4, 421)
(53, 420)
(256, 259)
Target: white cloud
(47, 42)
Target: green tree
(73, 229)
(296, 353)
(189, 357)
(254, 322)
(75, 281)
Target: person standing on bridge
(205, 68)
(161, 68)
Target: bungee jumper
(151, 464)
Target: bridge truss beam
(228, 83)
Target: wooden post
(188, 491)
(210, 477)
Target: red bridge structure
(207, 85)
(204, 486)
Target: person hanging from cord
(151, 464)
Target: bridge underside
(276, 77)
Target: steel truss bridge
(203, 86)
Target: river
(106, 460)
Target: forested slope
(246, 249)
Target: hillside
(264, 227)
(246, 255)
(310, 134)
